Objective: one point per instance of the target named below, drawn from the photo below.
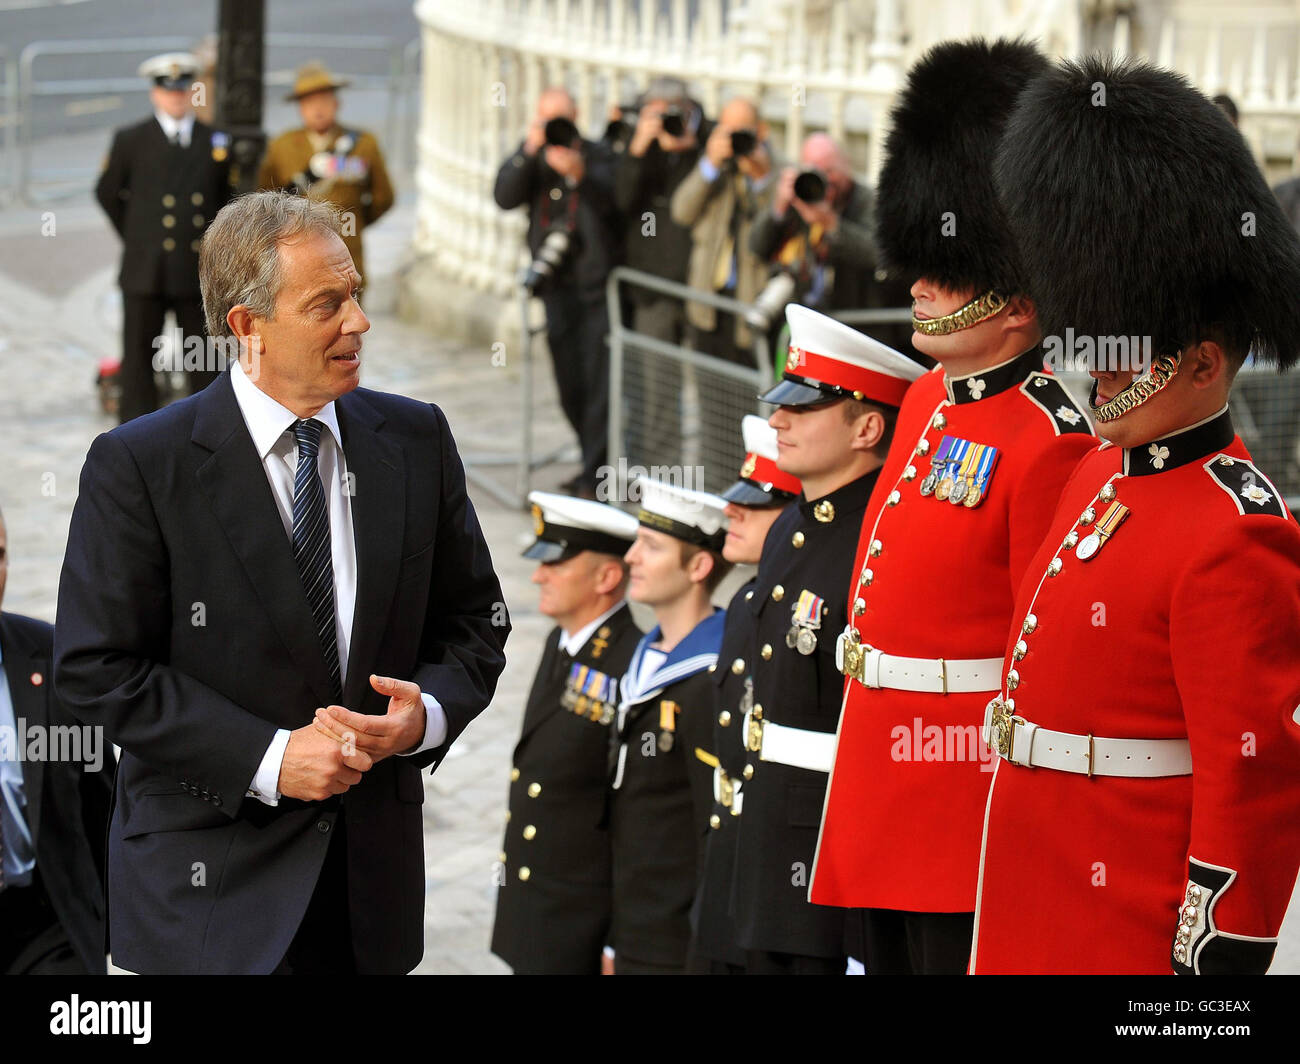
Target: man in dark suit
(163, 182)
(53, 812)
(554, 886)
(280, 542)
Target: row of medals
(946, 487)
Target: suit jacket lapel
(377, 474)
(235, 482)
(21, 662)
(551, 688)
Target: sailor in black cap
(662, 791)
(553, 898)
(163, 182)
(754, 502)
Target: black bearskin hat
(1140, 211)
(939, 159)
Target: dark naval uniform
(713, 940)
(662, 799)
(799, 596)
(160, 198)
(553, 905)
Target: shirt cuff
(707, 170)
(435, 725)
(265, 784)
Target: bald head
(555, 102)
(821, 151)
(739, 113)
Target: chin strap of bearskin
(979, 309)
(1200, 948)
(1139, 390)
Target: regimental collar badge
(986, 383)
(1181, 448)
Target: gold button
(507, 816)
(715, 821)
(1071, 538)
(749, 772)
(766, 652)
(940, 422)
(1225, 461)
(1019, 650)
(534, 789)
(894, 497)
(1088, 516)
(1031, 622)
(529, 832)
(713, 666)
(197, 199)
(502, 857)
(169, 220)
(778, 593)
(749, 595)
(876, 548)
(1054, 566)
(524, 873)
(194, 246)
(1107, 493)
(824, 511)
(1013, 680)
(169, 200)
(556, 193)
(859, 607)
(797, 540)
(514, 774)
(865, 577)
(169, 244)
(909, 473)
(737, 666)
(923, 448)
(724, 718)
(198, 221)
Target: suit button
(766, 652)
(778, 593)
(796, 540)
(169, 244)
(556, 193)
(724, 718)
(514, 774)
(198, 221)
(737, 666)
(169, 200)
(715, 821)
(194, 246)
(524, 873)
(534, 789)
(168, 220)
(749, 772)
(197, 199)
(530, 832)
(507, 816)
(323, 826)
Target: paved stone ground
(58, 315)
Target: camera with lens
(771, 302)
(811, 186)
(548, 261)
(560, 132)
(743, 141)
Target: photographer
(567, 184)
(719, 200)
(660, 144)
(819, 231)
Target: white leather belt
(1021, 742)
(799, 747)
(939, 676)
(727, 791)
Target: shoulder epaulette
(1049, 394)
(1250, 490)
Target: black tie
(311, 543)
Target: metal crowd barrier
(675, 413)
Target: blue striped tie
(311, 543)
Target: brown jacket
(363, 191)
(707, 209)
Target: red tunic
(1184, 625)
(901, 825)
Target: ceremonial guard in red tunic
(983, 446)
(754, 502)
(1145, 812)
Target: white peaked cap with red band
(829, 360)
(761, 483)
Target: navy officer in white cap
(164, 180)
(554, 886)
(760, 494)
(662, 792)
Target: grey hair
(239, 260)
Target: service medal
(806, 641)
(792, 636)
(958, 491)
(1114, 516)
(928, 484)
(1088, 546)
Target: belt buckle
(1002, 730)
(754, 731)
(852, 654)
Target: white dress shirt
(171, 126)
(571, 644)
(271, 427)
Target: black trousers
(142, 321)
(322, 944)
(32, 941)
(906, 943)
(577, 325)
(765, 962)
